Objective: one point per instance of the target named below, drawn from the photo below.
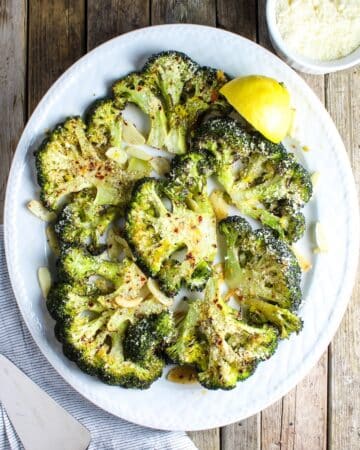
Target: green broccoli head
(104, 125)
(77, 266)
(223, 348)
(66, 163)
(169, 71)
(157, 233)
(174, 92)
(138, 89)
(95, 327)
(147, 335)
(166, 217)
(260, 265)
(226, 141)
(259, 312)
(82, 222)
(261, 178)
(188, 177)
(200, 95)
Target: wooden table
(39, 39)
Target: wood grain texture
(56, 40)
(243, 435)
(298, 421)
(109, 18)
(238, 16)
(201, 12)
(343, 103)
(12, 83)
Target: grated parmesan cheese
(320, 29)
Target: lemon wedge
(263, 102)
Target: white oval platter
(327, 287)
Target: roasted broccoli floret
(262, 179)
(146, 335)
(82, 222)
(67, 163)
(227, 142)
(169, 71)
(138, 89)
(167, 216)
(265, 274)
(104, 125)
(260, 311)
(188, 178)
(76, 266)
(200, 94)
(259, 264)
(174, 92)
(95, 327)
(223, 348)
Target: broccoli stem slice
(260, 311)
(176, 140)
(136, 88)
(158, 129)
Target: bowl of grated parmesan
(315, 36)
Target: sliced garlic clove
(220, 207)
(131, 135)
(138, 153)
(304, 263)
(156, 292)
(39, 210)
(321, 239)
(161, 165)
(117, 154)
(44, 278)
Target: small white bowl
(299, 62)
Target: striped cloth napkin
(107, 431)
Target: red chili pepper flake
(200, 219)
(214, 96)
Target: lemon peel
(263, 102)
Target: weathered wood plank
(297, 421)
(243, 435)
(56, 40)
(202, 12)
(240, 17)
(109, 18)
(12, 83)
(343, 103)
(206, 439)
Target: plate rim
(324, 336)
